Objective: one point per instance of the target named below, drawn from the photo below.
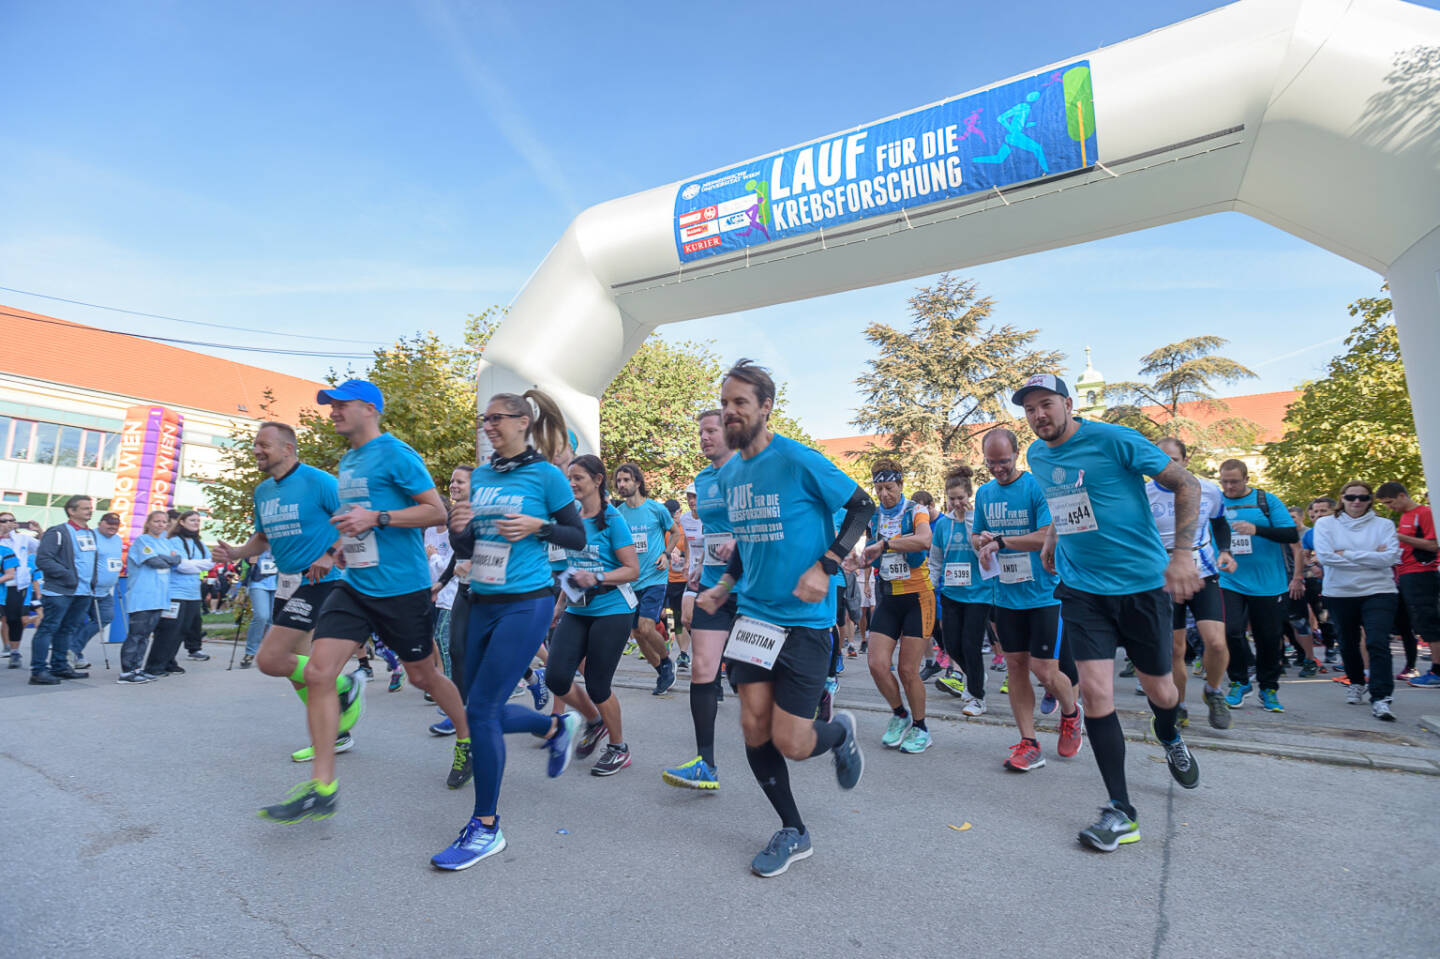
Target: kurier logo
(691, 191)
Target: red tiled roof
(1267, 409)
(45, 348)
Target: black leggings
(170, 633)
(1265, 615)
(599, 641)
(15, 613)
(1375, 614)
(962, 626)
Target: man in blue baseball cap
(362, 390)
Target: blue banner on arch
(1023, 130)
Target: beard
(738, 435)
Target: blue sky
(362, 170)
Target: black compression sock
(1165, 722)
(920, 724)
(827, 737)
(703, 698)
(774, 778)
(901, 712)
(1107, 741)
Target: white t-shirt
(440, 539)
(1212, 506)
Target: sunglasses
(493, 419)
(1356, 497)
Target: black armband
(858, 511)
(1220, 533)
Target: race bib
(894, 566)
(627, 594)
(1072, 513)
(556, 554)
(287, 584)
(957, 574)
(112, 563)
(85, 543)
(755, 641)
(1240, 544)
(173, 612)
(488, 564)
(1015, 568)
(267, 567)
(713, 543)
(361, 552)
(642, 543)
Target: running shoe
(462, 769)
(952, 685)
(1183, 767)
(1380, 709)
(1270, 701)
(1128, 670)
(1072, 731)
(614, 759)
(630, 647)
(1182, 715)
(1048, 704)
(1309, 668)
(343, 744)
(397, 679)
(1111, 831)
(826, 710)
(1139, 689)
(562, 744)
(247, 661)
(1199, 668)
(1430, 680)
(132, 678)
(985, 647)
(974, 706)
(665, 679)
(1354, 694)
(199, 656)
(864, 645)
(304, 802)
(14, 659)
(1005, 686)
(930, 670)
(594, 732)
(1332, 656)
(696, 774)
(538, 690)
(352, 702)
(1219, 709)
(176, 670)
(850, 651)
(683, 660)
(839, 664)
(367, 670)
(1025, 756)
(786, 846)
(1342, 679)
(916, 740)
(443, 728)
(1405, 675)
(895, 732)
(79, 662)
(849, 760)
(997, 663)
(476, 842)
(1238, 692)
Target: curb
(1314, 754)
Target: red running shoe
(1071, 731)
(1025, 756)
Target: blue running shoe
(849, 761)
(1238, 692)
(1270, 701)
(562, 744)
(1048, 704)
(696, 774)
(538, 690)
(476, 842)
(839, 665)
(443, 728)
(786, 846)
(1430, 680)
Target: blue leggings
(501, 639)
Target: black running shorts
(905, 614)
(798, 676)
(1207, 604)
(1096, 625)
(1034, 631)
(719, 621)
(302, 609)
(402, 622)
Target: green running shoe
(343, 744)
(352, 701)
(895, 732)
(1111, 831)
(953, 685)
(461, 769)
(696, 774)
(304, 802)
(1005, 686)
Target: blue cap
(362, 390)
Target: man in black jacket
(67, 558)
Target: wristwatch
(829, 565)
(1000, 541)
(599, 576)
(382, 519)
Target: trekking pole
(239, 624)
(104, 653)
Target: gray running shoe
(1183, 767)
(614, 759)
(304, 802)
(786, 846)
(1219, 710)
(849, 760)
(1380, 709)
(1112, 830)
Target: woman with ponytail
(520, 504)
(965, 596)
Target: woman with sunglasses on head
(1359, 550)
(520, 503)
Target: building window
(111, 454)
(68, 448)
(1090, 398)
(47, 439)
(12, 496)
(19, 447)
(90, 449)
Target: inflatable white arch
(1316, 116)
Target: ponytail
(547, 431)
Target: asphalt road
(131, 831)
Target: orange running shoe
(1071, 731)
(1025, 756)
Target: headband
(886, 476)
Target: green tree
(1355, 423)
(934, 388)
(1181, 382)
